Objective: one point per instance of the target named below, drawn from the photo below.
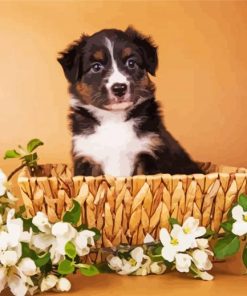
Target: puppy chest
(114, 145)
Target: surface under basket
(126, 209)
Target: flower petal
(237, 213)
(164, 236)
(17, 285)
(239, 228)
(168, 253)
(183, 262)
(137, 254)
(3, 278)
(148, 239)
(205, 276)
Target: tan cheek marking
(126, 52)
(85, 91)
(146, 82)
(98, 55)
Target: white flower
(15, 233)
(3, 240)
(192, 230)
(48, 282)
(144, 269)
(17, 284)
(64, 232)
(173, 243)
(3, 183)
(8, 258)
(63, 285)
(27, 266)
(42, 241)
(202, 243)
(41, 221)
(148, 239)
(55, 241)
(240, 226)
(205, 276)
(157, 268)
(3, 278)
(123, 266)
(14, 228)
(83, 238)
(201, 260)
(183, 262)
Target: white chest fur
(114, 144)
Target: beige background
(201, 80)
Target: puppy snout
(119, 89)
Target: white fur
(114, 144)
(116, 76)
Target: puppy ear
(71, 60)
(148, 49)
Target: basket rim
(230, 170)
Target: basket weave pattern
(126, 209)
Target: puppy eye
(131, 63)
(97, 67)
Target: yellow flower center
(132, 262)
(245, 217)
(186, 230)
(174, 241)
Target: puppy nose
(119, 89)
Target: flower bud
(8, 258)
(157, 268)
(48, 282)
(63, 285)
(40, 220)
(27, 266)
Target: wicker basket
(126, 209)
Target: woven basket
(126, 209)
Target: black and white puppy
(115, 120)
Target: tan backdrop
(201, 80)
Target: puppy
(115, 120)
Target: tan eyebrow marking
(127, 51)
(98, 55)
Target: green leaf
(33, 144)
(30, 159)
(27, 252)
(81, 227)
(90, 271)
(42, 260)
(74, 214)
(227, 246)
(209, 233)
(242, 200)
(20, 212)
(157, 250)
(97, 233)
(70, 250)
(104, 268)
(173, 221)
(227, 225)
(11, 154)
(66, 267)
(27, 224)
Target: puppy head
(110, 69)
